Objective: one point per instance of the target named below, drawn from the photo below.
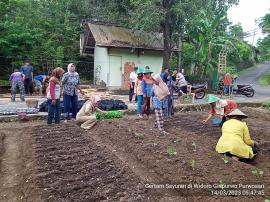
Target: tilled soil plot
(72, 167)
(193, 158)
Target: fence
(84, 67)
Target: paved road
(251, 77)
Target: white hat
(237, 112)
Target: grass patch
(264, 79)
(4, 83)
(266, 105)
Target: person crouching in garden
(235, 140)
(16, 79)
(71, 83)
(219, 107)
(159, 93)
(147, 85)
(53, 96)
(138, 91)
(86, 116)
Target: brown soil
(118, 159)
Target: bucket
(216, 121)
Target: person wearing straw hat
(235, 140)
(86, 116)
(138, 91)
(147, 85)
(219, 107)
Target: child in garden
(138, 91)
(159, 93)
(53, 96)
(147, 84)
(16, 79)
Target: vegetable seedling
(221, 184)
(171, 151)
(193, 164)
(267, 200)
(225, 159)
(194, 146)
(257, 173)
(139, 135)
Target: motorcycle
(199, 90)
(246, 90)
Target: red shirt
(227, 80)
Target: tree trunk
(167, 32)
(180, 53)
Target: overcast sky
(247, 12)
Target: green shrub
(266, 105)
(4, 83)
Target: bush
(266, 105)
(4, 83)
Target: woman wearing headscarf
(220, 108)
(159, 93)
(86, 116)
(235, 140)
(71, 84)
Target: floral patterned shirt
(70, 83)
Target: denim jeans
(53, 111)
(139, 103)
(228, 89)
(73, 100)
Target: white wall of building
(153, 59)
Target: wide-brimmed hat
(145, 71)
(139, 71)
(237, 112)
(212, 98)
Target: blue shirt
(146, 88)
(27, 71)
(157, 104)
(39, 78)
(164, 76)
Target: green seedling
(171, 151)
(194, 146)
(221, 184)
(267, 200)
(139, 135)
(193, 164)
(257, 173)
(225, 159)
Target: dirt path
(16, 176)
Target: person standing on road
(132, 77)
(138, 91)
(16, 79)
(53, 96)
(27, 70)
(227, 84)
(71, 83)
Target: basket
(32, 103)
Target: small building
(117, 50)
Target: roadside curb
(179, 108)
